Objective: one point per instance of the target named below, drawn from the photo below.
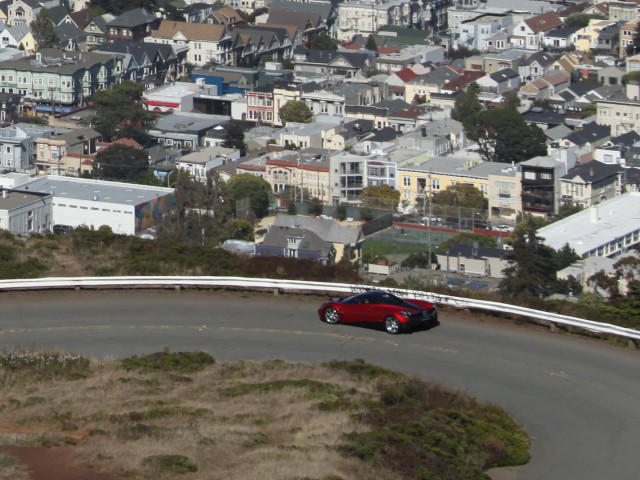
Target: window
(530, 175)
(406, 181)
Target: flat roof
(15, 199)
(596, 226)
(100, 190)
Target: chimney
(593, 214)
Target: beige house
(587, 37)
(505, 192)
(622, 114)
(627, 32)
(207, 43)
(311, 176)
(67, 154)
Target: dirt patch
(55, 463)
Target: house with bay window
(206, 43)
(55, 80)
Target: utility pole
(429, 222)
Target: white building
(126, 208)
(605, 230)
(23, 212)
(366, 17)
(198, 164)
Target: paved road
(577, 398)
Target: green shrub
(180, 362)
(177, 464)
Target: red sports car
(379, 308)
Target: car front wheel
(392, 325)
(331, 315)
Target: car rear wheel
(331, 315)
(392, 325)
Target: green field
(403, 241)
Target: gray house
(25, 212)
(295, 243)
(473, 260)
(17, 145)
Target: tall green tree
(461, 195)
(201, 214)
(295, 111)
(381, 197)
(371, 44)
(44, 31)
(234, 137)
(467, 104)
(502, 135)
(252, 189)
(322, 41)
(120, 114)
(120, 162)
(531, 270)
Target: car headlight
(406, 314)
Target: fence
(553, 319)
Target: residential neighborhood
(324, 101)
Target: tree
(200, 215)
(173, 13)
(503, 135)
(240, 230)
(120, 6)
(315, 206)
(371, 44)
(468, 238)
(580, 19)
(295, 111)
(234, 137)
(119, 113)
(461, 53)
(255, 190)
(531, 270)
(461, 195)
(44, 31)
(467, 104)
(120, 162)
(322, 41)
(382, 197)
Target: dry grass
(119, 418)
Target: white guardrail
(294, 285)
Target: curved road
(578, 399)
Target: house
(591, 184)
(17, 143)
(26, 11)
(97, 30)
(297, 243)
(304, 135)
(473, 260)
(545, 87)
(559, 39)
(349, 64)
(358, 18)
(250, 45)
(584, 269)
(530, 32)
(347, 134)
(150, 63)
(206, 43)
(627, 33)
(347, 241)
(474, 32)
(55, 79)
(541, 185)
(307, 23)
(504, 192)
(199, 163)
(535, 66)
(64, 154)
(18, 36)
(621, 113)
(307, 170)
(424, 85)
(611, 75)
(379, 112)
(24, 212)
(224, 16)
(500, 82)
(136, 25)
(349, 173)
(184, 130)
(586, 38)
(72, 38)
